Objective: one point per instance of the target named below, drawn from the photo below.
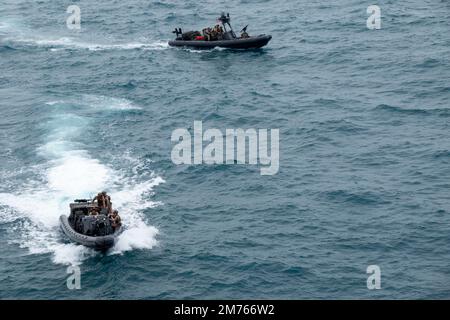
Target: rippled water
(364, 123)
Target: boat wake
(202, 50)
(13, 37)
(65, 43)
(68, 43)
(69, 172)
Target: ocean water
(364, 178)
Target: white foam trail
(204, 50)
(75, 173)
(68, 43)
(108, 103)
(16, 32)
(93, 102)
(55, 102)
(71, 43)
(72, 173)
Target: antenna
(225, 19)
(244, 29)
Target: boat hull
(241, 43)
(98, 243)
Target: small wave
(362, 198)
(108, 103)
(94, 102)
(130, 84)
(4, 48)
(442, 154)
(161, 4)
(413, 111)
(339, 126)
(429, 63)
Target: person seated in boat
(213, 35)
(207, 33)
(116, 222)
(217, 32)
(94, 211)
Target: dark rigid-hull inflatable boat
(222, 35)
(93, 231)
(237, 43)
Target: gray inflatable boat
(236, 43)
(94, 231)
(223, 37)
